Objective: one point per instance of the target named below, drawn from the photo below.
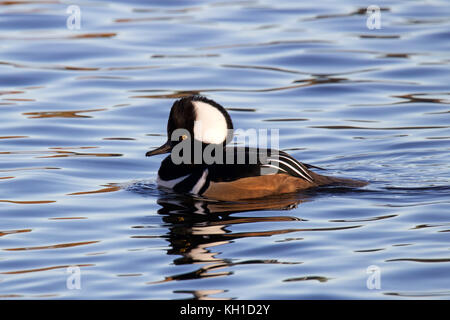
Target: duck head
(196, 119)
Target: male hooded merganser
(198, 123)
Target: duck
(201, 163)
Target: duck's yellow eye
(183, 137)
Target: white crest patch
(210, 125)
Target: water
(79, 109)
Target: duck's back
(241, 173)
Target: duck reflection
(196, 226)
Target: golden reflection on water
(421, 98)
(48, 66)
(74, 37)
(22, 2)
(61, 114)
(19, 99)
(46, 269)
(64, 154)
(60, 154)
(13, 137)
(6, 232)
(94, 35)
(20, 169)
(109, 188)
(54, 246)
(29, 202)
(11, 91)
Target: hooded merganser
(198, 122)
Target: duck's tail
(321, 180)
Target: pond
(86, 91)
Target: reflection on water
(60, 114)
(109, 188)
(55, 246)
(79, 108)
(197, 226)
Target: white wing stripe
(298, 164)
(302, 174)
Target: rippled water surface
(79, 109)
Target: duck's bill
(165, 148)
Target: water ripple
(79, 109)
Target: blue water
(79, 109)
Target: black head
(199, 119)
